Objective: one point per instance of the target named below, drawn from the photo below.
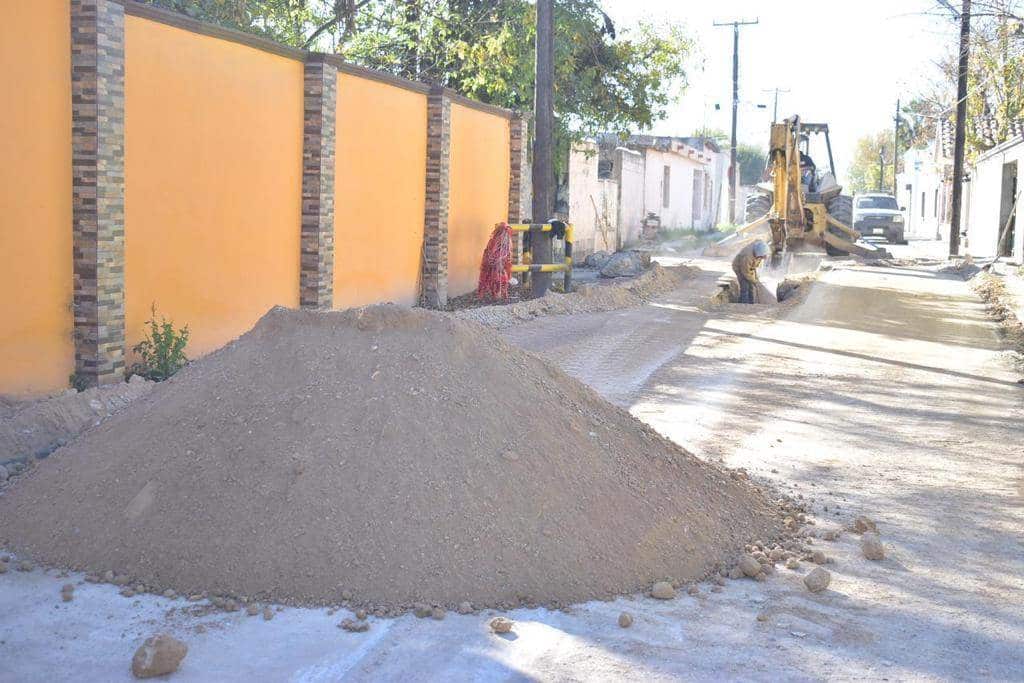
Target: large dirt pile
(392, 454)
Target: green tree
(751, 160)
(864, 174)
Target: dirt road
(886, 393)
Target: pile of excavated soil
(588, 298)
(391, 454)
(38, 426)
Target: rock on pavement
(871, 546)
(663, 590)
(159, 655)
(749, 566)
(818, 580)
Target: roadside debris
(818, 579)
(501, 625)
(872, 547)
(158, 656)
(625, 620)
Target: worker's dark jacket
(745, 264)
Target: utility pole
(543, 143)
(896, 151)
(775, 105)
(733, 175)
(961, 120)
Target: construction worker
(745, 266)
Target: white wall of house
(593, 203)
(991, 198)
(922, 195)
(628, 173)
(678, 189)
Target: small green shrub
(78, 382)
(162, 352)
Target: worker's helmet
(760, 249)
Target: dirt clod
(158, 656)
(663, 590)
(501, 625)
(355, 626)
(872, 547)
(749, 565)
(818, 579)
(863, 524)
(625, 620)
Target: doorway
(1007, 210)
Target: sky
(844, 63)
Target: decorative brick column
(320, 93)
(97, 168)
(435, 229)
(519, 169)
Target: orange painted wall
(379, 188)
(478, 191)
(36, 348)
(213, 170)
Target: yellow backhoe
(796, 205)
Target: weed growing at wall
(162, 351)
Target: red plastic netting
(496, 265)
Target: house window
(666, 187)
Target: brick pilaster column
(97, 167)
(435, 227)
(519, 169)
(320, 96)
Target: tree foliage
(865, 170)
(995, 79)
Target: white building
(992, 200)
(615, 184)
(923, 194)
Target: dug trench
(384, 457)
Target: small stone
(736, 573)
(501, 625)
(170, 594)
(663, 590)
(437, 613)
(127, 592)
(761, 577)
(268, 614)
(3, 567)
(818, 580)
(871, 546)
(360, 614)
(818, 557)
(776, 555)
(465, 608)
(421, 610)
(158, 656)
(346, 595)
(195, 597)
(830, 535)
(716, 588)
(67, 588)
(762, 616)
(67, 597)
(625, 620)
(230, 605)
(749, 565)
(792, 563)
(863, 524)
(355, 626)
(252, 610)
(108, 576)
(24, 566)
(693, 590)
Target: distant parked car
(876, 214)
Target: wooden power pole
(543, 144)
(959, 135)
(733, 175)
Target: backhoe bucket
(739, 239)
